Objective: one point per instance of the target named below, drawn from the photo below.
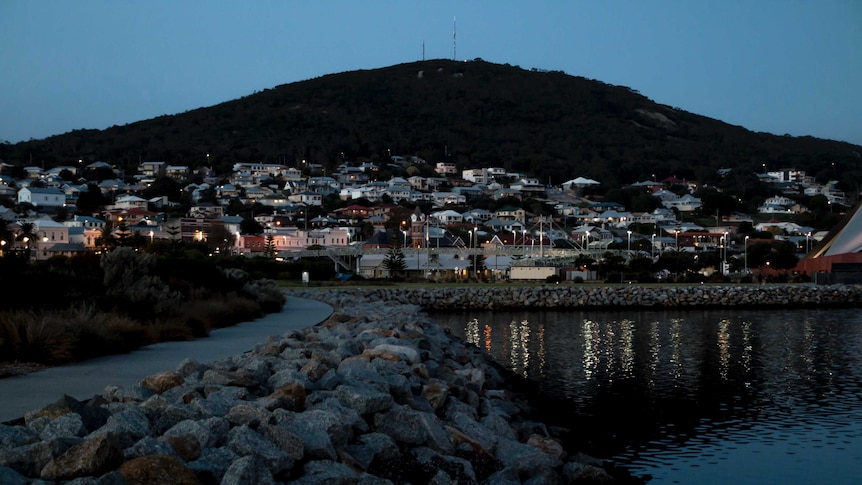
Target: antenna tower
(454, 38)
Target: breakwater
(563, 296)
(379, 393)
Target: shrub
(30, 337)
(266, 293)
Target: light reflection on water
(698, 396)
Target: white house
(129, 201)
(476, 175)
(445, 168)
(686, 203)
(42, 197)
(448, 217)
(307, 198)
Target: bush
(28, 336)
(266, 293)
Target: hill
(545, 123)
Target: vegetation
(69, 309)
(551, 125)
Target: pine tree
(394, 261)
(269, 248)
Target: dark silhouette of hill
(544, 123)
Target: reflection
(723, 348)
(667, 380)
(590, 338)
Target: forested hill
(548, 124)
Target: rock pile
(621, 296)
(377, 394)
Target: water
(695, 396)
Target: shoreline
(377, 393)
(634, 297)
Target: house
(48, 234)
(129, 201)
(42, 197)
(686, 203)
(441, 199)
(207, 209)
(152, 169)
(177, 172)
(445, 168)
(476, 175)
(306, 198)
(510, 213)
(477, 216)
(86, 222)
(529, 186)
(503, 193)
(448, 217)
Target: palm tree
(106, 239)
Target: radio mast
(454, 38)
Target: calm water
(696, 396)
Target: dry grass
(84, 332)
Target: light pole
(652, 246)
(745, 252)
(807, 243)
(630, 240)
(724, 260)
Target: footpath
(83, 380)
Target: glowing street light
(746, 254)
(629, 240)
(652, 247)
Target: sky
(776, 66)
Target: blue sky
(777, 66)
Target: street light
(630, 240)
(652, 247)
(724, 261)
(746, 254)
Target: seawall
(566, 296)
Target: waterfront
(695, 396)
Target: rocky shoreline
(566, 296)
(379, 393)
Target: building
(42, 197)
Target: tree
(778, 255)
(250, 226)
(106, 239)
(394, 262)
(269, 248)
(477, 266)
(91, 200)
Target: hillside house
(48, 197)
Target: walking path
(83, 380)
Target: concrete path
(21, 394)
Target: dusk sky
(783, 66)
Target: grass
(54, 337)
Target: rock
(212, 464)
(364, 400)
(246, 470)
(244, 441)
(92, 457)
(185, 446)
(91, 417)
(157, 470)
(162, 381)
(9, 476)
